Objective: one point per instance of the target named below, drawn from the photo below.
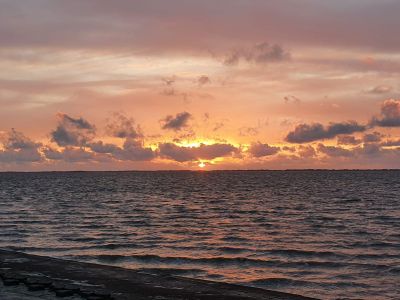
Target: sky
(184, 84)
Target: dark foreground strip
(99, 282)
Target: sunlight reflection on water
(328, 234)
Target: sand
(78, 280)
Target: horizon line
(202, 171)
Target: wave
(111, 246)
(377, 244)
(234, 239)
(394, 270)
(232, 249)
(229, 261)
(306, 253)
(171, 271)
(273, 282)
(285, 282)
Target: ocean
(324, 234)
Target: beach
(31, 277)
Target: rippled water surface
(328, 234)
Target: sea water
(327, 234)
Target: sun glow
(202, 165)
(195, 144)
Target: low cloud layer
(70, 154)
(15, 140)
(348, 140)
(373, 137)
(207, 152)
(334, 151)
(261, 150)
(305, 133)
(18, 148)
(76, 141)
(388, 117)
(135, 151)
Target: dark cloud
(305, 133)
(72, 132)
(79, 123)
(17, 148)
(123, 127)
(334, 151)
(306, 151)
(70, 154)
(390, 114)
(373, 137)
(132, 150)
(177, 122)
(215, 150)
(391, 143)
(135, 151)
(101, 147)
(260, 150)
(98, 154)
(15, 140)
(63, 137)
(366, 151)
(260, 54)
(290, 149)
(184, 154)
(348, 140)
(52, 154)
(175, 152)
(370, 149)
(20, 156)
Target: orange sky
(149, 85)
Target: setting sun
(194, 155)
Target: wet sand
(31, 277)
(21, 292)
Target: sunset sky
(227, 84)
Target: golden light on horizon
(242, 102)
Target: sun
(202, 165)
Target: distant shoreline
(204, 171)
